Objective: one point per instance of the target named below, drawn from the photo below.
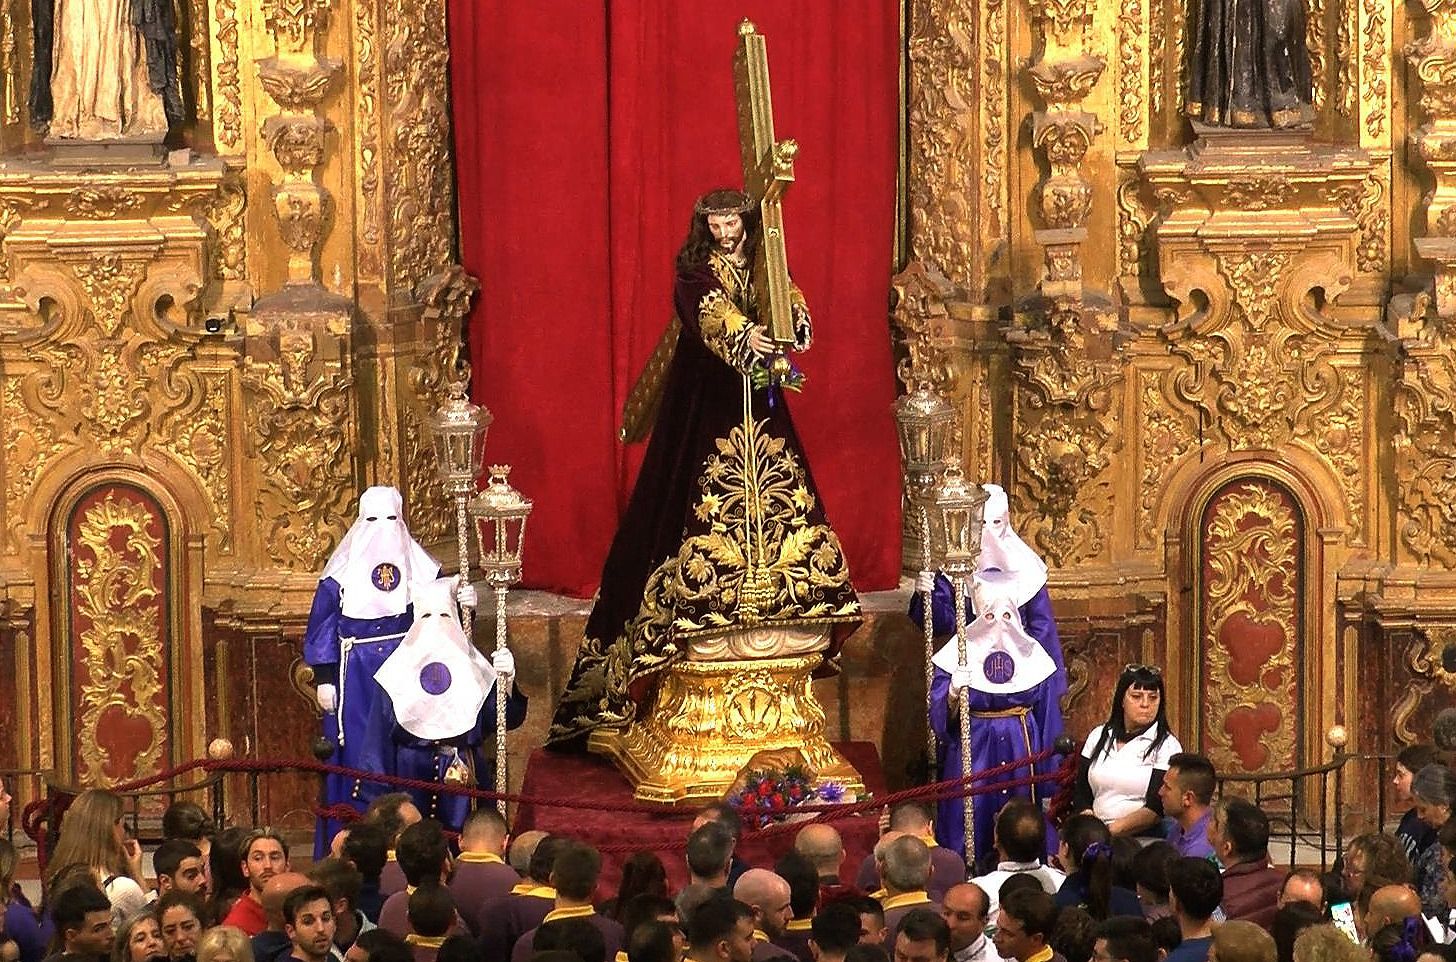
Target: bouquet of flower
(765, 790)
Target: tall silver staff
(958, 510)
(459, 430)
(926, 424)
(500, 525)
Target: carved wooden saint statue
(1249, 65)
(105, 69)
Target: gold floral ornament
(760, 559)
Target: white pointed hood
(437, 680)
(377, 561)
(1003, 658)
(1003, 549)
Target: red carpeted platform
(595, 779)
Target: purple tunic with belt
(346, 652)
(1004, 727)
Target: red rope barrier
(963, 787)
(958, 787)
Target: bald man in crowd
(767, 895)
(481, 873)
(966, 910)
(1303, 885)
(946, 867)
(1390, 904)
(272, 943)
(822, 845)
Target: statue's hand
(504, 664)
(465, 594)
(328, 699)
(759, 341)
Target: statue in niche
(1249, 64)
(105, 69)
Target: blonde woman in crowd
(223, 943)
(92, 836)
(1325, 943)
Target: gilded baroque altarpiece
(1216, 372)
(1216, 369)
(202, 360)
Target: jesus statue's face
(727, 231)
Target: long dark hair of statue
(693, 255)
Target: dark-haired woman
(1124, 760)
(1416, 837)
(1085, 853)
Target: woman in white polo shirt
(1123, 761)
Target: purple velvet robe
(994, 740)
(409, 756)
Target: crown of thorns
(702, 209)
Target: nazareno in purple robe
(409, 756)
(995, 738)
(361, 698)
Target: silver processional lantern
(926, 424)
(957, 510)
(458, 430)
(500, 514)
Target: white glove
(925, 581)
(328, 699)
(504, 664)
(465, 595)
(960, 678)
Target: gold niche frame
(185, 721)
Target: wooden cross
(768, 170)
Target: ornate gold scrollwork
(446, 297)
(942, 50)
(419, 187)
(1425, 660)
(1425, 418)
(117, 583)
(1250, 555)
(301, 419)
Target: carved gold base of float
(710, 718)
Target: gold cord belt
(1020, 711)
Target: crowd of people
(1149, 864)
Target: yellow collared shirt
(535, 891)
(576, 912)
(907, 898)
(480, 858)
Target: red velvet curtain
(584, 131)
